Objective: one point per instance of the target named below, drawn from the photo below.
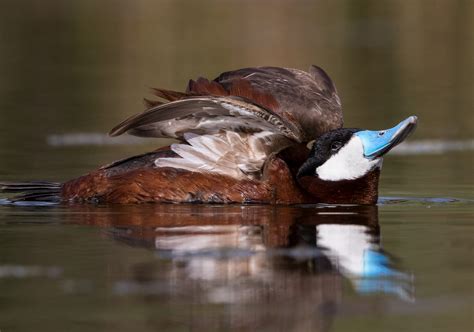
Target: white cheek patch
(349, 163)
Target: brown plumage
(363, 190)
(305, 103)
(269, 108)
(243, 136)
(137, 180)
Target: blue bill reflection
(285, 268)
(323, 241)
(357, 253)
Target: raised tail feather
(32, 191)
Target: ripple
(427, 200)
(84, 139)
(22, 271)
(7, 202)
(417, 147)
(423, 147)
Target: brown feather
(144, 124)
(169, 94)
(202, 86)
(306, 99)
(242, 88)
(148, 184)
(151, 103)
(305, 103)
(137, 180)
(363, 190)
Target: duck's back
(232, 124)
(307, 98)
(231, 129)
(137, 180)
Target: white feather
(239, 155)
(347, 164)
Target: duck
(257, 135)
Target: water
(405, 263)
(69, 72)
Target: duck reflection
(279, 267)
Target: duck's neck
(363, 190)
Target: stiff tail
(32, 191)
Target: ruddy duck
(243, 140)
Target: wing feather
(230, 125)
(239, 155)
(204, 115)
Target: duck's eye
(336, 145)
(382, 132)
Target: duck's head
(344, 164)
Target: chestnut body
(137, 180)
(242, 139)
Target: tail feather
(32, 191)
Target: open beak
(378, 143)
